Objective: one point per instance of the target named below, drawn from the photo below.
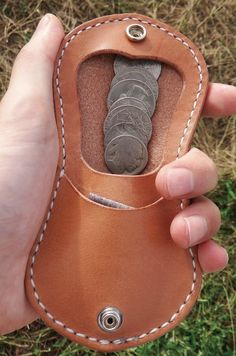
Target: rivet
(110, 319)
(136, 32)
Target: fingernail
(179, 182)
(196, 228)
(43, 22)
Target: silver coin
(132, 88)
(126, 154)
(117, 116)
(123, 63)
(124, 128)
(129, 114)
(141, 74)
(130, 101)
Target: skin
(28, 160)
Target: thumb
(33, 68)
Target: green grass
(210, 328)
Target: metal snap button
(110, 319)
(136, 32)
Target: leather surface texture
(88, 256)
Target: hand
(196, 174)
(28, 160)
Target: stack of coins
(131, 102)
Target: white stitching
(92, 338)
(172, 318)
(104, 342)
(117, 342)
(154, 330)
(81, 335)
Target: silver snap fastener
(110, 319)
(136, 32)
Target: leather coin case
(104, 277)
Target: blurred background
(210, 328)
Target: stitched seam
(49, 315)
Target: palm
(27, 164)
(27, 167)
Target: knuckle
(207, 167)
(26, 54)
(213, 174)
(212, 166)
(217, 214)
(195, 150)
(198, 154)
(206, 207)
(214, 216)
(30, 53)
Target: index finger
(220, 100)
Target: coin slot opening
(94, 80)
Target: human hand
(191, 176)
(28, 160)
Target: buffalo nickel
(132, 88)
(129, 114)
(130, 101)
(142, 75)
(123, 64)
(117, 116)
(124, 128)
(126, 154)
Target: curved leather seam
(50, 316)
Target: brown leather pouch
(92, 265)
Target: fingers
(220, 100)
(192, 175)
(212, 257)
(33, 69)
(197, 223)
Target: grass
(210, 328)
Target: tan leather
(88, 256)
